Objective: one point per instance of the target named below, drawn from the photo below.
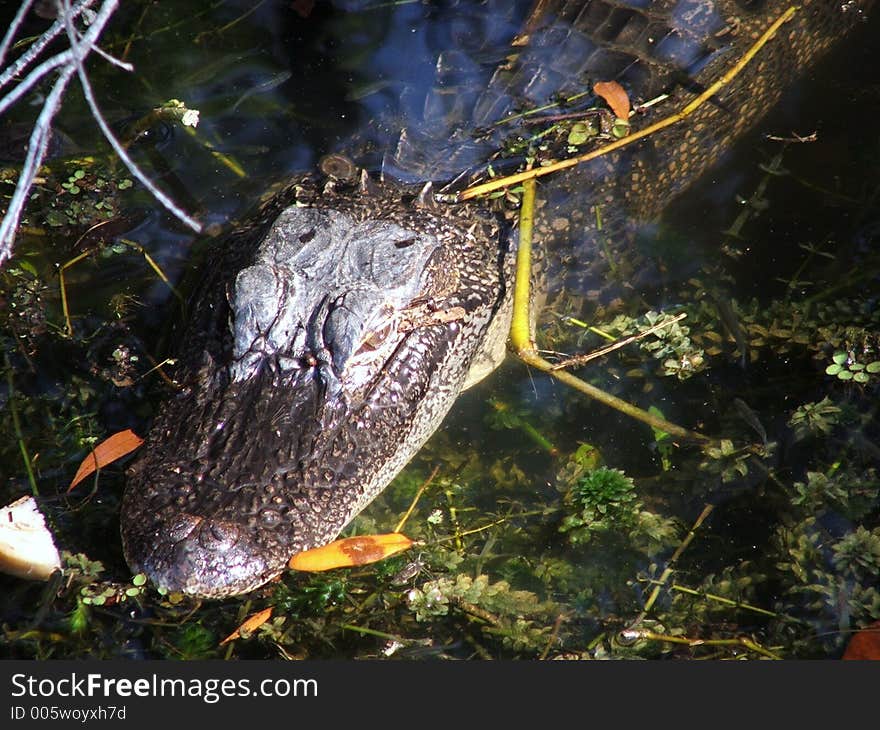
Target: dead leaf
(865, 644)
(350, 551)
(249, 625)
(109, 450)
(615, 96)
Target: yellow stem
(685, 112)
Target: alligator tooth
(367, 184)
(426, 197)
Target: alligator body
(331, 334)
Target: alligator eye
(338, 166)
(405, 243)
(371, 342)
(373, 339)
(307, 236)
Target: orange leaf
(615, 96)
(250, 624)
(350, 551)
(865, 644)
(109, 450)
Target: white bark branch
(65, 63)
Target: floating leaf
(350, 551)
(620, 129)
(580, 133)
(109, 450)
(615, 96)
(29, 267)
(249, 625)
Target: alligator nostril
(270, 517)
(182, 527)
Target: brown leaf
(249, 625)
(865, 644)
(109, 450)
(615, 96)
(350, 551)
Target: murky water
(532, 547)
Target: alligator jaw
(324, 347)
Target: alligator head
(312, 345)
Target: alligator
(333, 331)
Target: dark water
(787, 558)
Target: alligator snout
(209, 557)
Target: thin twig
(112, 60)
(67, 63)
(38, 45)
(39, 140)
(520, 331)
(670, 565)
(551, 640)
(33, 77)
(632, 635)
(733, 604)
(580, 360)
(415, 500)
(89, 95)
(523, 345)
(13, 28)
(37, 147)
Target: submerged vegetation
(546, 527)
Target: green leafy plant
(846, 367)
(815, 419)
(727, 460)
(602, 500)
(849, 492)
(670, 343)
(517, 617)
